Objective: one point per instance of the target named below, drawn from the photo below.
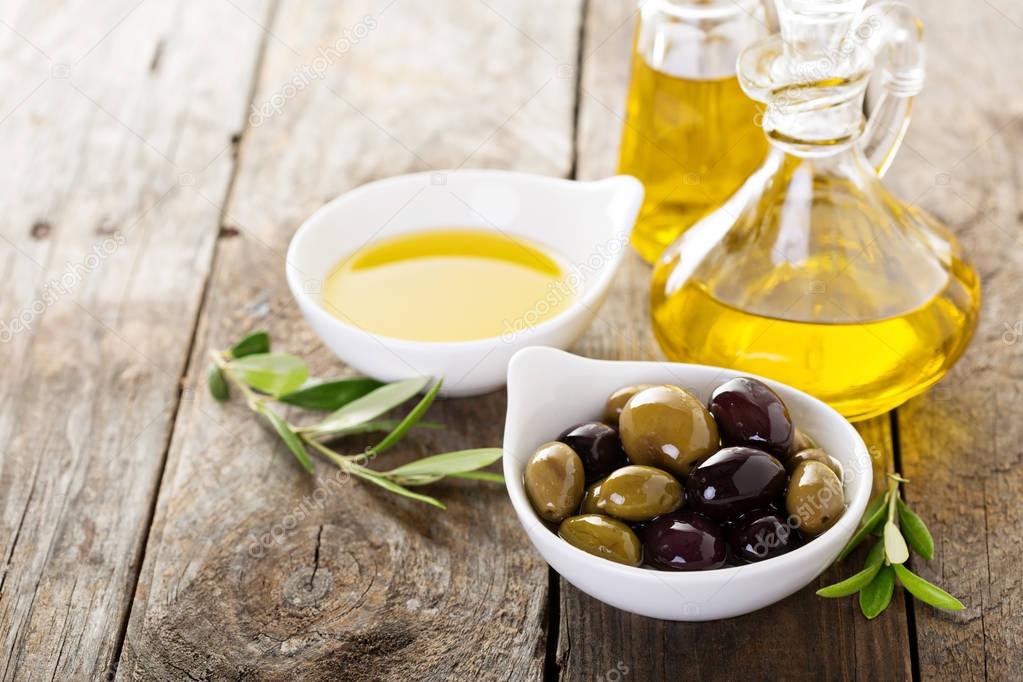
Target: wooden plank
(117, 118)
(599, 642)
(960, 443)
(361, 584)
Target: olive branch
(355, 406)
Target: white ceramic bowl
(587, 224)
(550, 390)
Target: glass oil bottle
(813, 273)
(691, 133)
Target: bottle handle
(894, 35)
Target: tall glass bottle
(691, 134)
(813, 273)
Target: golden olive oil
(691, 142)
(860, 366)
(447, 285)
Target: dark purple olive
(599, 447)
(749, 413)
(762, 535)
(733, 481)
(684, 541)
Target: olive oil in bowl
(455, 284)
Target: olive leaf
(369, 406)
(272, 373)
(872, 516)
(330, 395)
(290, 439)
(408, 422)
(925, 591)
(857, 581)
(380, 425)
(450, 463)
(875, 597)
(479, 476)
(915, 531)
(217, 383)
(388, 484)
(256, 342)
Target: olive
(735, 480)
(801, 441)
(815, 499)
(749, 413)
(639, 493)
(617, 400)
(591, 500)
(598, 446)
(684, 541)
(762, 535)
(817, 455)
(667, 427)
(554, 481)
(602, 536)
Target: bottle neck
(814, 128)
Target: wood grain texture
(961, 442)
(255, 569)
(116, 118)
(600, 642)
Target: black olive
(762, 535)
(749, 413)
(733, 481)
(684, 541)
(598, 446)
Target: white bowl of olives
(680, 492)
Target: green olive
(591, 500)
(814, 498)
(817, 455)
(800, 442)
(639, 493)
(602, 536)
(668, 428)
(617, 400)
(554, 481)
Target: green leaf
(330, 395)
(272, 373)
(388, 484)
(409, 421)
(217, 383)
(290, 439)
(915, 531)
(852, 584)
(926, 592)
(450, 463)
(871, 517)
(875, 597)
(479, 476)
(256, 342)
(370, 406)
(378, 425)
(895, 550)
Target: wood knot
(40, 230)
(227, 231)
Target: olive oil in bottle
(861, 366)
(690, 133)
(692, 143)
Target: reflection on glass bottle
(691, 133)
(813, 273)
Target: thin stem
(893, 493)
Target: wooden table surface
(157, 157)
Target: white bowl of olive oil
(448, 274)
